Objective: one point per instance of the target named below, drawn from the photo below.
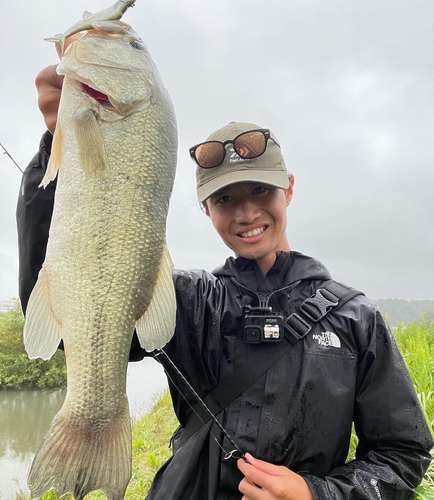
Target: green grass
(416, 342)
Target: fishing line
(228, 454)
(6, 152)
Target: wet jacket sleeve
(34, 212)
(394, 440)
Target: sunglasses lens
(250, 144)
(209, 154)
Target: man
(295, 418)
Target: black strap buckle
(297, 326)
(317, 306)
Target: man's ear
(290, 190)
(205, 207)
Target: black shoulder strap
(330, 296)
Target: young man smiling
(246, 206)
(251, 219)
(295, 416)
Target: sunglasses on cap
(248, 145)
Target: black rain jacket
(299, 414)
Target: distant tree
(11, 328)
(429, 317)
(405, 311)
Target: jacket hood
(288, 268)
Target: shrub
(16, 369)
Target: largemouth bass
(107, 268)
(112, 13)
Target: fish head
(113, 66)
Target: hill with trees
(407, 311)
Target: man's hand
(265, 481)
(49, 85)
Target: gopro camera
(261, 324)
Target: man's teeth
(254, 232)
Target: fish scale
(107, 268)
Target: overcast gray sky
(346, 86)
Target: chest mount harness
(330, 296)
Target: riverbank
(151, 437)
(26, 414)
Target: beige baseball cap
(269, 168)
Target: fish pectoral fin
(86, 13)
(42, 330)
(90, 141)
(55, 157)
(156, 326)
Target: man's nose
(247, 212)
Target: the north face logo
(329, 339)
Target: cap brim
(277, 178)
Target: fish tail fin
(58, 40)
(79, 458)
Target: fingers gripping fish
(112, 13)
(107, 269)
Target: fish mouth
(101, 98)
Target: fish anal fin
(42, 330)
(90, 141)
(55, 158)
(79, 456)
(156, 326)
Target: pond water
(26, 415)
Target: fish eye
(135, 44)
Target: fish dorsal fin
(156, 326)
(90, 141)
(112, 27)
(54, 161)
(86, 13)
(42, 330)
